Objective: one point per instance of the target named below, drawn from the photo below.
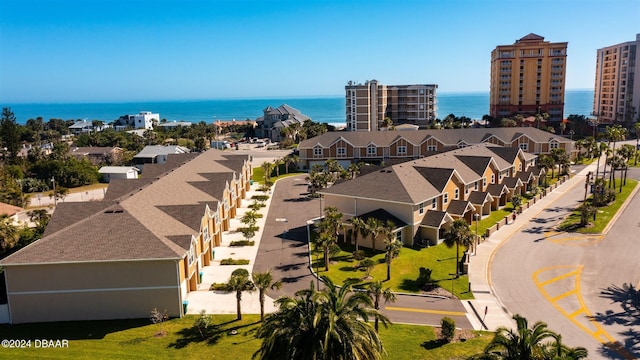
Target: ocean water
(323, 109)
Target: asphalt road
(577, 284)
(288, 258)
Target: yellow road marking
(547, 282)
(452, 313)
(599, 333)
(568, 293)
(576, 313)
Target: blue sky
(95, 50)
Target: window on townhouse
(398, 236)
(317, 152)
(484, 182)
(432, 148)
(553, 145)
(520, 167)
(466, 189)
(371, 150)
(341, 151)
(456, 194)
(493, 178)
(402, 150)
(524, 146)
(475, 186)
(421, 208)
(445, 198)
(434, 203)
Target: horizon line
(276, 97)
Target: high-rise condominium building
(370, 103)
(617, 89)
(528, 78)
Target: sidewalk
(486, 304)
(218, 302)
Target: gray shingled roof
(479, 197)
(438, 177)
(434, 218)
(448, 137)
(141, 224)
(459, 207)
(496, 190)
(384, 216)
(511, 182)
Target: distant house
(273, 120)
(97, 154)
(81, 127)
(10, 211)
(84, 126)
(174, 124)
(157, 154)
(119, 172)
(143, 120)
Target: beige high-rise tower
(616, 95)
(368, 104)
(528, 78)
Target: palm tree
(264, 281)
(239, 282)
(267, 167)
(375, 291)
(524, 344)
(328, 324)
(276, 165)
(556, 350)
(458, 234)
(392, 245)
(333, 223)
(358, 226)
(325, 241)
(561, 158)
(290, 160)
(374, 226)
(545, 163)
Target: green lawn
(605, 214)
(136, 339)
(404, 268)
(492, 219)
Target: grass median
(604, 215)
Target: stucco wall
(92, 291)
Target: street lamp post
(55, 198)
(476, 216)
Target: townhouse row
(424, 196)
(387, 146)
(140, 248)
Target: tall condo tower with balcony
(528, 78)
(369, 104)
(617, 90)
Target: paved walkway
(486, 304)
(220, 302)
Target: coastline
(325, 109)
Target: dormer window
(371, 150)
(317, 152)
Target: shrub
(260, 197)
(231, 261)
(242, 243)
(424, 279)
(447, 329)
(219, 287)
(358, 255)
(240, 272)
(203, 323)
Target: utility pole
(55, 195)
